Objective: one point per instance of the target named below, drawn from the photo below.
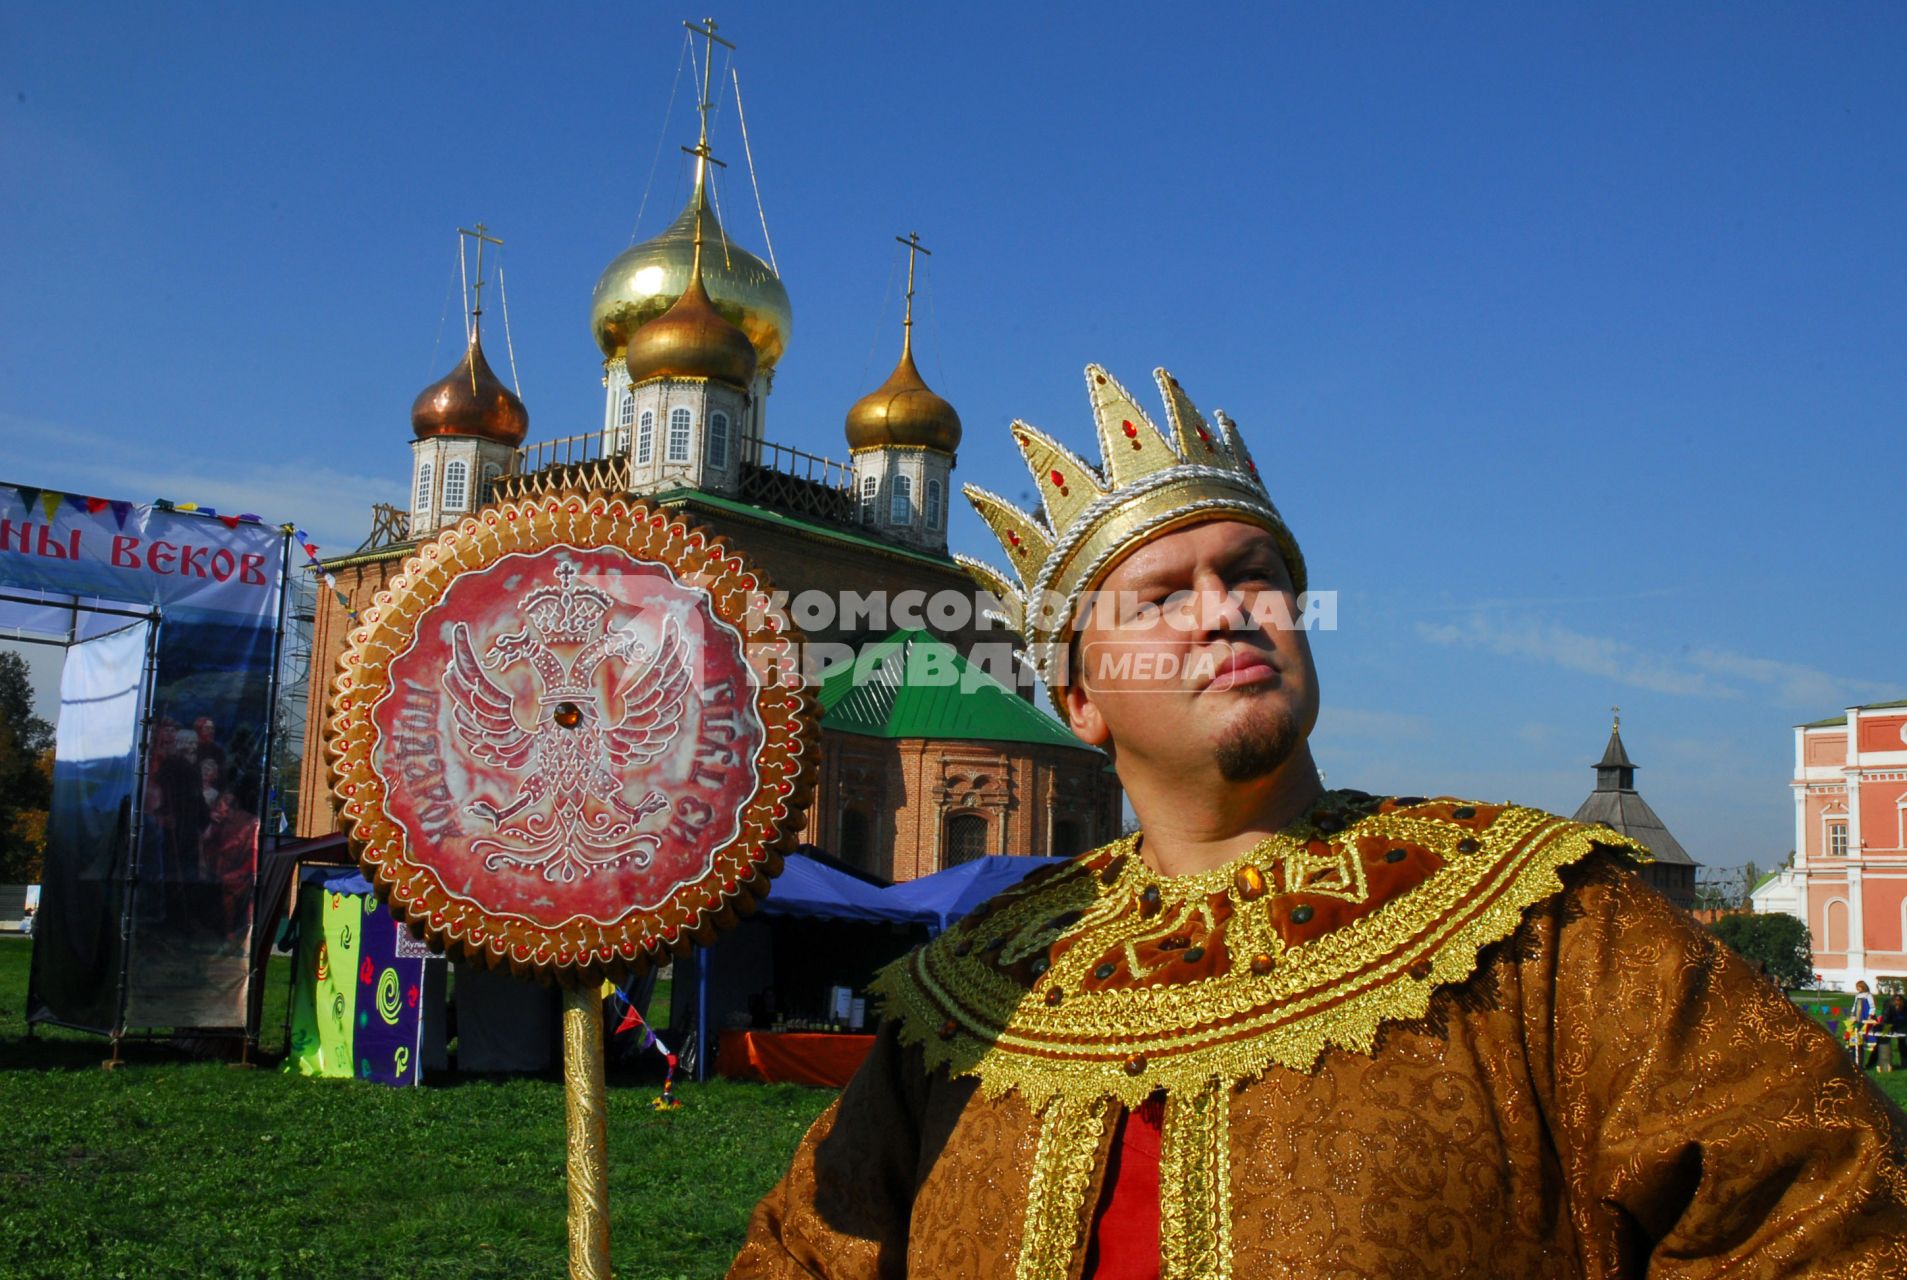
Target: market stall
(780, 1000)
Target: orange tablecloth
(791, 1057)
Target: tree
(26, 787)
(1777, 943)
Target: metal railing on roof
(811, 467)
(772, 475)
(567, 451)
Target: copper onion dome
(470, 401)
(903, 411)
(691, 340)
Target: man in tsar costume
(1290, 1032)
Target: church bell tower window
(625, 416)
(424, 478)
(456, 485)
(934, 512)
(901, 510)
(718, 441)
(868, 487)
(645, 438)
(680, 419)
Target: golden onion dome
(645, 281)
(691, 339)
(470, 401)
(903, 411)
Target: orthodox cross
(701, 148)
(482, 239)
(1617, 713)
(914, 249)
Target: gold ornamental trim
(1081, 984)
(580, 949)
(1195, 1185)
(1068, 1147)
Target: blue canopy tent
(811, 889)
(952, 893)
(800, 931)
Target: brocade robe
(1412, 1039)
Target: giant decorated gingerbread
(571, 736)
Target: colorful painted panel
(324, 1001)
(390, 993)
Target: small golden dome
(470, 401)
(645, 281)
(902, 411)
(691, 340)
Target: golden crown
(1149, 482)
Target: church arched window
(424, 486)
(646, 438)
(901, 507)
(680, 420)
(456, 485)
(868, 487)
(966, 839)
(934, 513)
(718, 441)
(854, 839)
(1066, 839)
(626, 412)
(491, 473)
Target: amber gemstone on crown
(1250, 882)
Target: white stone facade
(448, 474)
(902, 493)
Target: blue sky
(1570, 339)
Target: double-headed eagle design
(568, 817)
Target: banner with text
(138, 553)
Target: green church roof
(1841, 719)
(913, 685)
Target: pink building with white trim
(1850, 839)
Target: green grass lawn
(170, 1167)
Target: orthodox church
(691, 328)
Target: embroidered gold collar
(1103, 979)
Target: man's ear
(1082, 715)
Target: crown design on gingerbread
(1149, 482)
(566, 614)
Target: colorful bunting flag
(311, 554)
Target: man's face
(1191, 656)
